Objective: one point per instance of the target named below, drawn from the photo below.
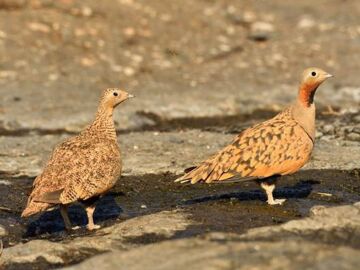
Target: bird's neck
(103, 125)
(306, 94)
(303, 112)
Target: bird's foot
(93, 227)
(276, 201)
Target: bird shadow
(301, 189)
(51, 222)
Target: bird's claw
(276, 202)
(93, 227)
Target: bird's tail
(215, 169)
(33, 208)
(207, 171)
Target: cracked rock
(122, 235)
(335, 224)
(202, 254)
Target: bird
(268, 150)
(82, 168)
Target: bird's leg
(269, 187)
(90, 214)
(65, 216)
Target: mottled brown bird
(83, 167)
(279, 146)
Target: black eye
(115, 94)
(313, 73)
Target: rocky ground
(202, 71)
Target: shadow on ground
(234, 207)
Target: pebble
(306, 23)
(353, 136)
(5, 183)
(328, 129)
(318, 134)
(356, 130)
(87, 62)
(8, 74)
(261, 31)
(357, 118)
(129, 71)
(3, 231)
(39, 27)
(86, 11)
(245, 18)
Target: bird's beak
(327, 75)
(130, 96)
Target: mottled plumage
(83, 167)
(279, 146)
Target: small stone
(87, 62)
(79, 32)
(8, 74)
(3, 231)
(356, 129)
(116, 68)
(306, 23)
(5, 183)
(129, 71)
(224, 48)
(165, 17)
(317, 210)
(328, 129)
(129, 32)
(325, 26)
(353, 136)
(193, 83)
(53, 77)
(245, 18)
(318, 134)
(261, 31)
(3, 35)
(39, 27)
(86, 11)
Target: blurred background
(182, 59)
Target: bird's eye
(115, 94)
(313, 73)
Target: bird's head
(313, 77)
(310, 81)
(114, 96)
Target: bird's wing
(79, 169)
(94, 172)
(54, 174)
(277, 146)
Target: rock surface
(275, 247)
(202, 254)
(160, 152)
(331, 225)
(328, 237)
(162, 225)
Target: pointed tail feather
(196, 174)
(33, 208)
